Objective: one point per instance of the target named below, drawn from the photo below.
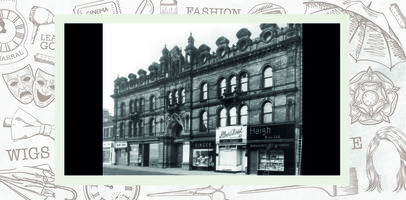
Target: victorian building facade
(237, 109)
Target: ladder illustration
(299, 156)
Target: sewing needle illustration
(23, 126)
(209, 191)
(332, 191)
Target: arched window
(203, 121)
(135, 105)
(152, 103)
(122, 109)
(222, 87)
(135, 129)
(142, 105)
(244, 82)
(267, 112)
(290, 111)
(187, 122)
(182, 96)
(244, 115)
(233, 83)
(175, 97)
(161, 124)
(268, 77)
(204, 91)
(130, 129)
(131, 106)
(233, 116)
(170, 98)
(152, 127)
(121, 130)
(223, 117)
(141, 125)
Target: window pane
(244, 87)
(267, 107)
(233, 116)
(204, 88)
(233, 83)
(170, 98)
(183, 96)
(223, 83)
(244, 110)
(244, 120)
(204, 119)
(268, 118)
(268, 82)
(268, 72)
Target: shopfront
(135, 154)
(231, 148)
(271, 150)
(121, 152)
(108, 152)
(203, 155)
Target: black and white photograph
(202, 99)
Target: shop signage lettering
(272, 145)
(203, 145)
(121, 145)
(271, 132)
(107, 144)
(231, 132)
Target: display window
(272, 160)
(203, 158)
(106, 156)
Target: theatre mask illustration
(43, 88)
(20, 84)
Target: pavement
(122, 169)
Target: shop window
(223, 117)
(244, 82)
(223, 87)
(152, 127)
(268, 82)
(271, 160)
(203, 121)
(130, 129)
(122, 109)
(290, 111)
(244, 115)
(267, 112)
(153, 103)
(170, 98)
(204, 91)
(142, 105)
(175, 97)
(233, 84)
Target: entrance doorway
(146, 155)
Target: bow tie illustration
(35, 183)
(23, 126)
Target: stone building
(237, 109)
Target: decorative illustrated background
(377, 95)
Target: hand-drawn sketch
(40, 16)
(43, 88)
(145, 7)
(373, 97)
(398, 139)
(98, 7)
(371, 37)
(42, 58)
(111, 192)
(35, 183)
(267, 8)
(332, 191)
(13, 33)
(20, 83)
(23, 125)
(209, 191)
(169, 7)
(397, 13)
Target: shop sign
(283, 145)
(119, 145)
(107, 144)
(271, 132)
(231, 133)
(203, 145)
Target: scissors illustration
(210, 191)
